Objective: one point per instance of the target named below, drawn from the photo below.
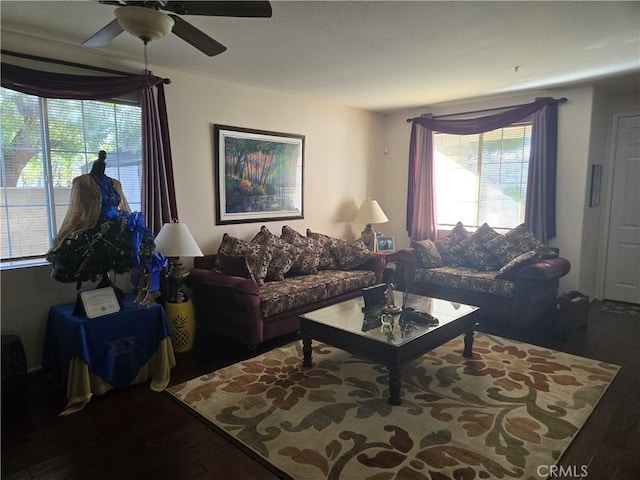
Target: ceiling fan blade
(197, 38)
(104, 35)
(221, 9)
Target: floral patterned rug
(502, 414)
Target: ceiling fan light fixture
(144, 23)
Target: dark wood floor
(136, 433)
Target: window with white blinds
(46, 143)
(482, 178)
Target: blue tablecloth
(113, 346)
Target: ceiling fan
(148, 20)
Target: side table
(112, 351)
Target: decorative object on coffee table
(175, 241)
(369, 213)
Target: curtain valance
(158, 190)
(74, 87)
(484, 124)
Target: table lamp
(370, 213)
(175, 241)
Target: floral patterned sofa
(510, 276)
(253, 291)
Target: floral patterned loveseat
(253, 291)
(510, 276)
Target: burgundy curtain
(158, 193)
(540, 206)
(540, 209)
(421, 205)
(155, 134)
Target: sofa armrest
(227, 305)
(376, 265)
(207, 262)
(406, 261)
(545, 269)
(205, 278)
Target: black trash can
(574, 311)
(14, 373)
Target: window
(482, 178)
(46, 143)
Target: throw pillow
(285, 254)
(474, 251)
(257, 256)
(511, 269)
(234, 265)
(513, 244)
(449, 246)
(428, 254)
(351, 255)
(308, 262)
(327, 260)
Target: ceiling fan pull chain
(146, 59)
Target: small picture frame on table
(99, 302)
(385, 244)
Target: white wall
(340, 144)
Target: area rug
(502, 414)
(621, 308)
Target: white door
(622, 273)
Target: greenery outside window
(46, 143)
(482, 178)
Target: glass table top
(392, 329)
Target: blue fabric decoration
(154, 267)
(110, 198)
(138, 228)
(114, 346)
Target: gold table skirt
(82, 384)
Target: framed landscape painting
(259, 175)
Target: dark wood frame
(224, 185)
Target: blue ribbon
(154, 266)
(138, 228)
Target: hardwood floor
(137, 433)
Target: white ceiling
(380, 55)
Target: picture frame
(385, 244)
(259, 175)
(596, 181)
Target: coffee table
(344, 325)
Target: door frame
(607, 202)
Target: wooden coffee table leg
(306, 351)
(394, 384)
(468, 344)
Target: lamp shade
(144, 23)
(370, 212)
(175, 240)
